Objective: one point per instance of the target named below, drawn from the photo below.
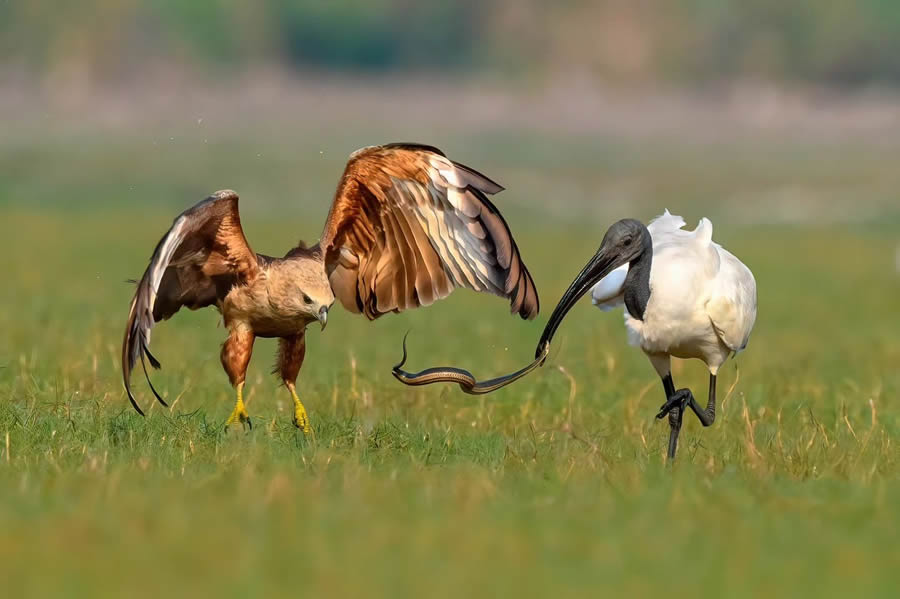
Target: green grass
(554, 486)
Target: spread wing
(408, 225)
(195, 264)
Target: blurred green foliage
(842, 42)
(377, 35)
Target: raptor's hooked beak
(323, 316)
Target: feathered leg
(236, 352)
(291, 351)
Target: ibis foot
(684, 398)
(677, 400)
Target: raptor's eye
(627, 241)
(307, 299)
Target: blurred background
(768, 111)
(845, 44)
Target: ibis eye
(307, 299)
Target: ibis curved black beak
(603, 263)
(323, 316)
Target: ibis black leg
(674, 407)
(707, 416)
(677, 401)
(675, 417)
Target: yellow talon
(301, 420)
(239, 414)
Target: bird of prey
(684, 296)
(406, 227)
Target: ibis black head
(626, 241)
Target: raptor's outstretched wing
(195, 264)
(408, 225)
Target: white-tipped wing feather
(194, 265)
(408, 225)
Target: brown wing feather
(408, 225)
(202, 256)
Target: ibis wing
(408, 225)
(732, 305)
(202, 256)
(666, 224)
(607, 293)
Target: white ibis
(684, 295)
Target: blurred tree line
(838, 42)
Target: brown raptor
(406, 227)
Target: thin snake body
(461, 377)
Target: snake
(468, 383)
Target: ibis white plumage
(684, 295)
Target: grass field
(555, 486)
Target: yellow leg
(301, 420)
(239, 414)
